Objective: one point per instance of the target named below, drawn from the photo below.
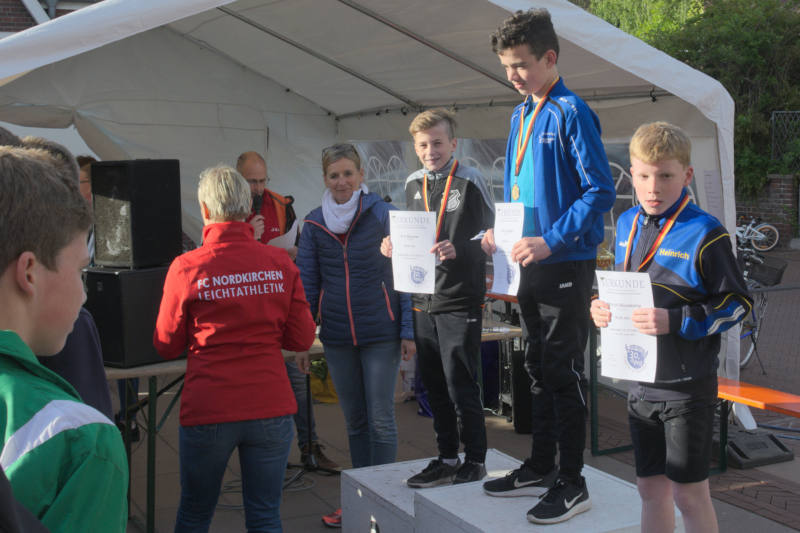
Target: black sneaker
(561, 503)
(469, 472)
(436, 473)
(523, 481)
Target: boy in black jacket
(447, 324)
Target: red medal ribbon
(443, 203)
(663, 233)
(523, 146)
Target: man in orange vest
(272, 214)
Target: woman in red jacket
(233, 303)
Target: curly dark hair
(533, 27)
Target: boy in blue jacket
(557, 167)
(698, 293)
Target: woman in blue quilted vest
(365, 325)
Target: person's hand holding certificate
(625, 314)
(507, 230)
(412, 237)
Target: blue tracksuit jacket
(565, 180)
(695, 277)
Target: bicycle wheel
(748, 346)
(768, 238)
(751, 327)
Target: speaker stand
(310, 465)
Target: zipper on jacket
(388, 302)
(319, 307)
(347, 271)
(438, 189)
(346, 265)
(347, 294)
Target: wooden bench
(731, 390)
(760, 397)
(728, 390)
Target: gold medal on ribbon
(515, 192)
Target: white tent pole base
(743, 416)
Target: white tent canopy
(203, 80)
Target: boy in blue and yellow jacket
(698, 293)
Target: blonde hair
(431, 118)
(332, 154)
(660, 141)
(225, 193)
(41, 205)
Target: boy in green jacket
(65, 460)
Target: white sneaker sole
(522, 491)
(578, 508)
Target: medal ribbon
(663, 233)
(523, 146)
(443, 203)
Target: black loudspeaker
(124, 304)
(137, 209)
(515, 387)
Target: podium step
(379, 493)
(616, 507)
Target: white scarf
(338, 216)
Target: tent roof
(362, 56)
(361, 64)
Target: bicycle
(751, 326)
(758, 235)
(759, 272)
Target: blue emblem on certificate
(636, 356)
(418, 275)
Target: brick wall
(776, 204)
(14, 16)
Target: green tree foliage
(753, 48)
(646, 18)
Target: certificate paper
(286, 240)
(507, 230)
(627, 353)
(413, 266)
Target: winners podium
(380, 493)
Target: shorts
(672, 438)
